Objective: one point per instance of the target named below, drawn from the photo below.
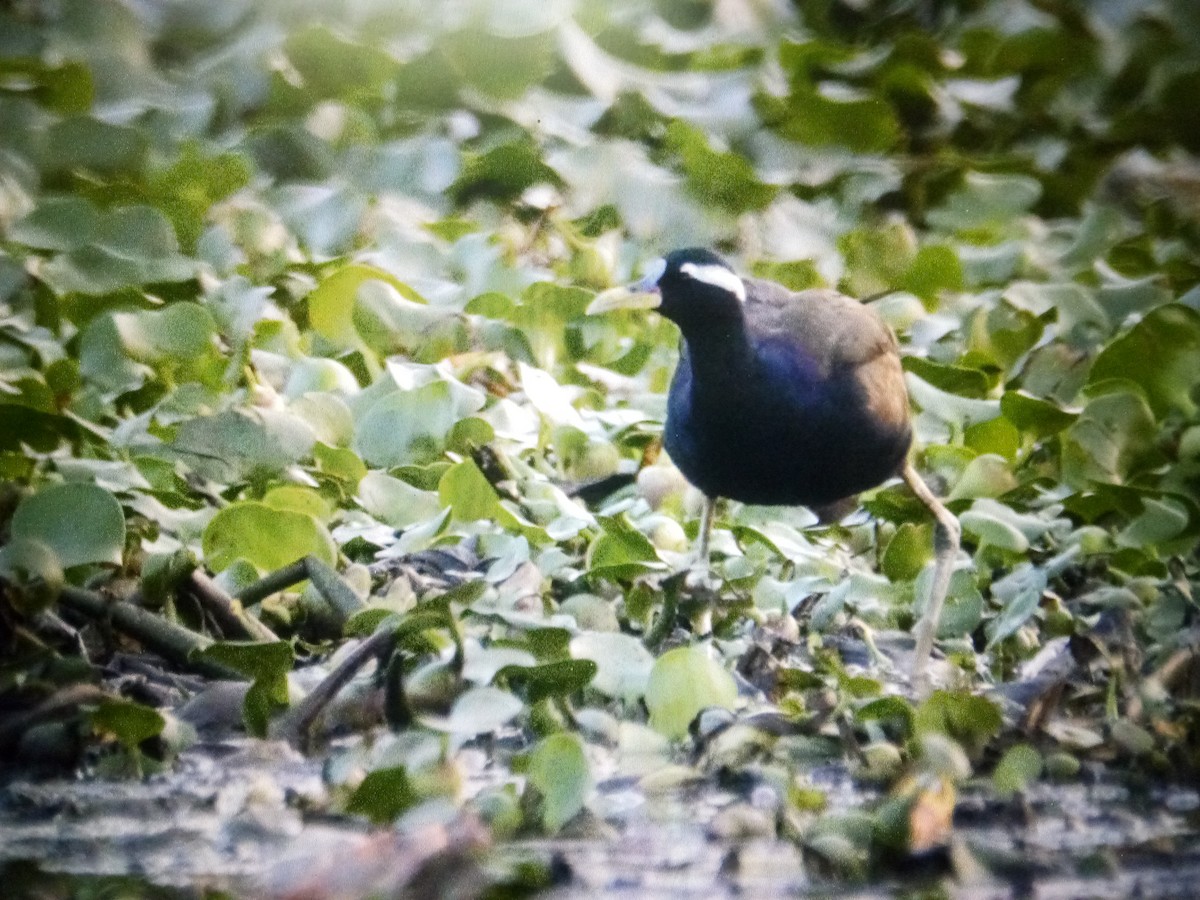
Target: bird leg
(946, 542)
(706, 523)
(700, 579)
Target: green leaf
(81, 523)
(1161, 353)
(553, 679)
(179, 333)
(908, 551)
(332, 66)
(465, 489)
(968, 719)
(558, 770)
(411, 426)
(383, 795)
(719, 178)
(81, 142)
(395, 502)
(503, 67)
(986, 201)
(1020, 766)
(133, 245)
(1020, 592)
(236, 445)
(1114, 438)
(331, 304)
(857, 122)
(682, 683)
(1035, 415)
(502, 173)
(58, 223)
(267, 665)
(131, 723)
(267, 538)
(620, 551)
(960, 380)
(936, 268)
(623, 663)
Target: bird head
(690, 285)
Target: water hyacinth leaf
(331, 66)
(726, 180)
(267, 664)
(130, 723)
(383, 794)
(504, 67)
(1160, 522)
(808, 115)
(32, 575)
(133, 245)
(553, 679)
(388, 323)
(987, 475)
(396, 502)
(181, 332)
(623, 663)
(331, 304)
(1035, 415)
(87, 143)
(908, 551)
(1113, 439)
(58, 223)
(683, 682)
(935, 268)
(985, 201)
(467, 492)
(235, 445)
(951, 408)
(970, 720)
(482, 710)
(503, 173)
(1020, 766)
(1161, 353)
(410, 426)
(1020, 592)
(558, 770)
(298, 499)
(81, 523)
(621, 551)
(960, 380)
(267, 538)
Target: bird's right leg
(700, 578)
(946, 544)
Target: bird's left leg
(946, 543)
(706, 523)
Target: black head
(696, 285)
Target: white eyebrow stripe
(717, 276)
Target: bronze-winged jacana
(785, 398)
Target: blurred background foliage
(308, 278)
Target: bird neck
(718, 351)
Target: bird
(785, 398)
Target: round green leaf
(558, 770)
(82, 523)
(267, 538)
(683, 682)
